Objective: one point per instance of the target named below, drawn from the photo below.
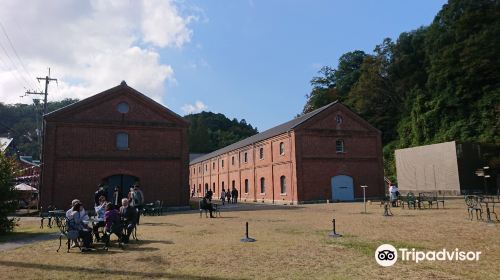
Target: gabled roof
(4, 143)
(122, 87)
(282, 128)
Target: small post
(364, 196)
(334, 232)
(387, 211)
(247, 238)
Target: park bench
(408, 199)
(430, 198)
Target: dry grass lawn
(292, 243)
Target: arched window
(122, 107)
(262, 185)
(339, 146)
(246, 185)
(283, 184)
(122, 141)
(261, 153)
(245, 157)
(282, 148)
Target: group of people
(118, 217)
(206, 202)
(231, 196)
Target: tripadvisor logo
(387, 255)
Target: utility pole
(47, 79)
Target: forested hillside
(22, 123)
(437, 83)
(209, 131)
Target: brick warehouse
(118, 137)
(324, 155)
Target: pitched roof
(4, 143)
(282, 128)
(122, 86)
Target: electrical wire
(17, 55)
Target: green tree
(8, 202)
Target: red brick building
(323, 155)
(118, 137)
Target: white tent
(24, 187)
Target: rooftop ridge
(274, 131)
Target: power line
(21, 78)
(31, 83)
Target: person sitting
(112, 224)
(100, 209)
(206, 205)
(76, 222)
(129, 218)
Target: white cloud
(91, 45)
(197, 107)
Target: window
(222, 163)
(194, 170)
(282, 148)
(122, 141)
(246, 185)
(232, 160)
(245, 157)
(339, 146)
(339, 119)
(261, 153)
(213, 186)
(122, 107)
(213, 165)
(283, 184)
(262, 185)
(199, 168)
(206, 168)
(222, 185)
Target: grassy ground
(29, 227)
(292, 243)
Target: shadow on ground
(107, 272)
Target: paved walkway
(10, 245)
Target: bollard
(334, 232)
(387, 211)
(247, 238)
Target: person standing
(209, 195)
(234, 195)
(98, 193)
(394, 194)
(228, 196)
(116, 196)
(138, 198)
(223, 196)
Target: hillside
(434, 84)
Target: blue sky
(250, 59)
(254, 59)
